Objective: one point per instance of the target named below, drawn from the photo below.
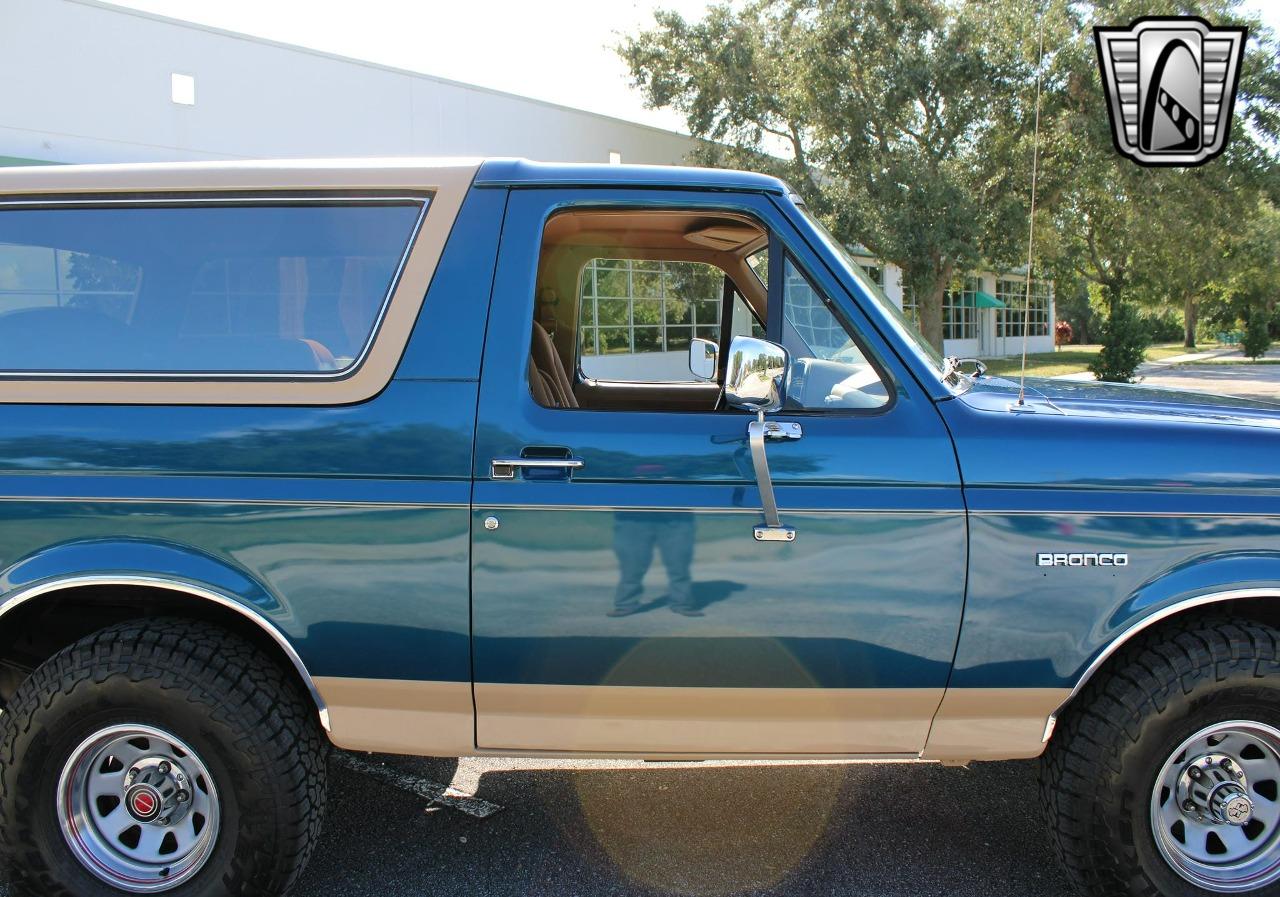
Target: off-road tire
(1098, 772)
(255, 731)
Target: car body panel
(342, 527)
(1189, 491)
(776, 620)
(909, 618)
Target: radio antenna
(1031, 226)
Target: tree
(1248, 286)
(906, 125)
(1142, 234)
(897, 120)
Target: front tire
(1164, 776)
(159, 756)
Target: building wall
(89, 82)
(987, 342)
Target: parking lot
(607, 827)
(1251, 381)
(595, 827)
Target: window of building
(960, 310)
(875, 272)
(910, 308)
(182, 89)
(258, 288)
(45, 277)
(1013, 293)
(654, 309)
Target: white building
(86, 81)
(983, 319)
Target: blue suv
(462, 458)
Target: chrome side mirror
(703, 356)
(756, 374)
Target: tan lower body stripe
(439, 719)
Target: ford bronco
(457, 458)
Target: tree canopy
(907, 125)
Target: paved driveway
(1253, 381)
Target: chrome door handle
(505, 468)
(777, 430)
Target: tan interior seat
(551, 385)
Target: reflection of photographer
(635, 536)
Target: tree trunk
(1189, 314)
(931, 305)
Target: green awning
(986, 300)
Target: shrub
(1062, 333)
(1124, 343)
(1257, 334)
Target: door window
(645, 284)
(828, 368)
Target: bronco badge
(1082, 559)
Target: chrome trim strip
(424, 203)
(486, 507)
(24, 595)
(1146, 622)
(1079, 513)
(200, 198)
(268, 502)
(539, 463)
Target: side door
(620, 602)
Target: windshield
(911, 337)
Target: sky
(556, 50)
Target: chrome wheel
(138, 808)
(1215, 808)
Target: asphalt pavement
(590, 828)
(1250, 381)
(1223, 371)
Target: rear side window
(253, 287)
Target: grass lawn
(1230, 360)
(1072, 360)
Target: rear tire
(194, 716)
(1163, 777)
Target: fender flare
(48, 587)
(1142, 624)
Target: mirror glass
(702, 358)
(754, 380)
